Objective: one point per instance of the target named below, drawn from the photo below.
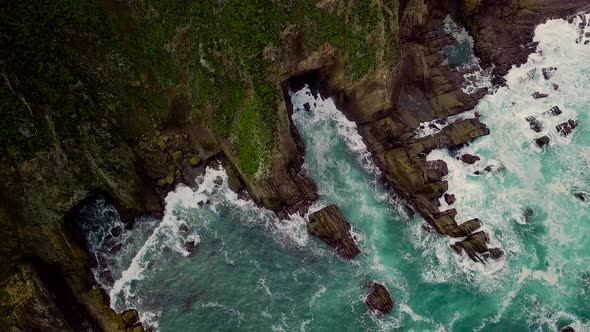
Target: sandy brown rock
(330, 226)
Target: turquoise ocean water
(254, 272)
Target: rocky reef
(130, 98)
(330, 226)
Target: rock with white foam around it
(469, 158)
(539, 95)
(535, 124)
(330, 226)
(542, 141)
(379, 299)
(567, 127)
(553, 111)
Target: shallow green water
(254, 272)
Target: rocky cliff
(132, 97)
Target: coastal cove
(251, 270)
(279, 165)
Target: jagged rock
(555, 86)
(474, 246)
(307, 107)
(542, 141)
(116, 231)
(191, 247)
(567, 329)
(548, 72)
(183, 229)
(329, 225)
(566, 128)
(535, 124)
(539, 95)
(553, 111)
(469, 158)
(450, 198)
(496, 253)
(379, 299)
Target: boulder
(329, 225)
(555, 86)
(379, 299)
(542, 141)
(469, 158)
(567, 328)
(450, 198)
(535, 124)
(496, 253)
(567, 127)
(539, 95)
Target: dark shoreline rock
(542, 141)
(330, 226)
(379, 299)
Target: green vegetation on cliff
(210, 51)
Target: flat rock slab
(379, 299)
(330, 226)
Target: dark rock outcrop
(469, 158)
(329, 225)
(535, 124)
(583, 196)
(567, 329)
(379, 299)
(553, 111)
(542, 141)
(475, 245)
(449, 198)
(539, 95)
(191, 248)
(567, 127)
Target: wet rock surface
(469, 158)
(539, 95)
(535, 124)
(567, 127)
(542, 141)
(379, 299)
(330, 226)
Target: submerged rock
(528, 214)
(542, 141)
(379, 299)
(539, 95)
(567, 127)
(329, 225)
(567, 329)
(535, 124)
(469, 158)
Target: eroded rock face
(330, 226)
(379, 299)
